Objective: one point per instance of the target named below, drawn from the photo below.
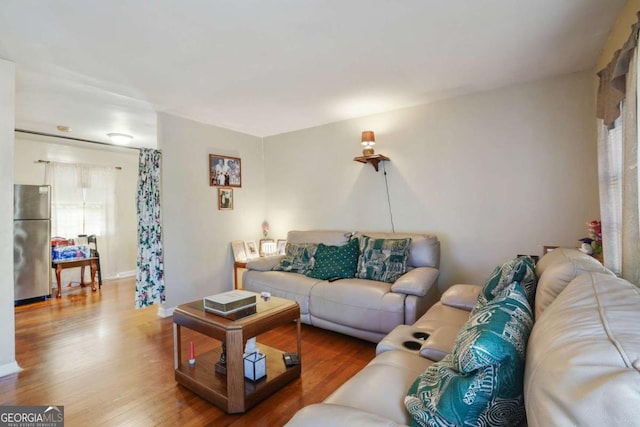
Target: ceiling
(265, 67)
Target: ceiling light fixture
(63, 128)
(120, 138)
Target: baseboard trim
(9, 368)
(124, 274)
(165, 312)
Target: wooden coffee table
(232, 392)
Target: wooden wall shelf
(374, 159)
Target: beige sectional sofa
(366, 309)
(582, 365)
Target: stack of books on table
(231, 305)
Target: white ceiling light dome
(120, 138)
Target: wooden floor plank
(112, 365)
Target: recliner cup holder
(412, 345)
(421, 335)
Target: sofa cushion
(358, 303)
(558, 255)
(583, 358)
(382, 259)
(335, 261)
(327, 237)
(480, 382)
(521, 270)
(298, 258)
(557, 276)
(392, 372)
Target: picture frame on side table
(239, 252)
(281, 244)
(267, 247)
(224, 171)
(251, 249)
(225, 199)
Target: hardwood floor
(112, 365)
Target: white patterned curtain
(83, 202)
(150, 264)
(618, 161)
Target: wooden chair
(92, 241)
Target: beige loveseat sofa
(366, 309)
(582, 365)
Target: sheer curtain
(610, 177)
(83, 202)
(618, 161)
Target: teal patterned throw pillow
(382, 259)
(481, 382)
(335, 261)
(495, 332)
(521, 270)
(298, 258)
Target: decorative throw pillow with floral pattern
(298, 258)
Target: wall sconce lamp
(368, 140)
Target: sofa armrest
(416, 282)
(326, 414)
(461, 296)
(264, 263)
(440, 343)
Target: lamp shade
(368, 138)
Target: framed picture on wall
(225, 199)
(251, 249)
(224, 171)
(281, 244)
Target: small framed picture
(224, 171)
(239, 253)
(225, 199)
(267, 247)
(281, 244)
(251, 250)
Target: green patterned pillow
(471, 386)
(335, 261)
(495, 332)
(382, 259)
(521, 270)
(441, 397)
(298, 258)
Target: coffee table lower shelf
(203, 379)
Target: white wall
(7, 120)
(494, 174)
(198, 259)
(30, 148)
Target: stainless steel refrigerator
(31, 242)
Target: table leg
(299, 342)
(94, 268)
(58, 271)
(177, 355)
(235, 372)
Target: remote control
(290, 359)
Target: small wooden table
(237, 265)
(232, 392)
(75, 262)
